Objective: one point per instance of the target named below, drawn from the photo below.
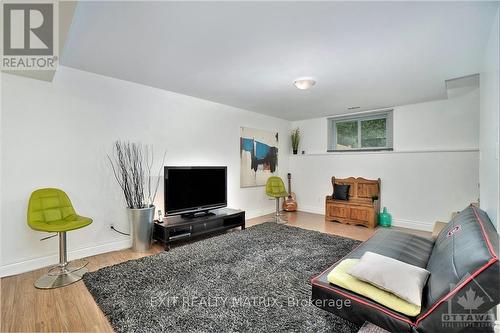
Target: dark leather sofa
(461, 292)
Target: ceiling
(247, 54)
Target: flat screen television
(193, 189)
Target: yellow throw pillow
(341, 278)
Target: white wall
(439, 125)
(444, 124)
(433, 170)
(489, 122)
(57, 134)
(489, 168)
(73, 121)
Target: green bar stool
(50, 210)
(275, 188)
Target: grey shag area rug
(251, 280)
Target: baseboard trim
(312, 209)
(36, 263)
(412, 224)
(403, 223)
(252, 213)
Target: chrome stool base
(63, 273)
(66, 268)
(55, 281)
(280, 220)
(278, 215)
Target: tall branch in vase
(132, 165)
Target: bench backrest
(361, 190)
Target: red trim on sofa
(315, 278)
(359, 300)
(485, 235)
(471, 277)
(436, 305)
(457, 289)
(493, 260)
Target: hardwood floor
(72, 309)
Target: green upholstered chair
(50, 210)
(275, 188)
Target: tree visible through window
(347, 135)
(373, 133)
(367, 132)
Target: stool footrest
(65, 269)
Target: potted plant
(132, 165)
(295, 140)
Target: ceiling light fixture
(304, 83)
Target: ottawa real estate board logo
(469, 308)
(29, 38)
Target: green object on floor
(384, 218)
(275, 187)
(50, 210)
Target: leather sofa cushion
(411, 249)
(408, 248)
(468, 247)
(469, 243)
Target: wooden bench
(361, 208)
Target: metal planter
(141, 221)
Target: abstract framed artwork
(258, 156)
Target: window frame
(382, 114)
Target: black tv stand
(177, 228)
(197, 214)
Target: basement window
(362, 132)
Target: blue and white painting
(259, 156)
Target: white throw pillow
(403, 280)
